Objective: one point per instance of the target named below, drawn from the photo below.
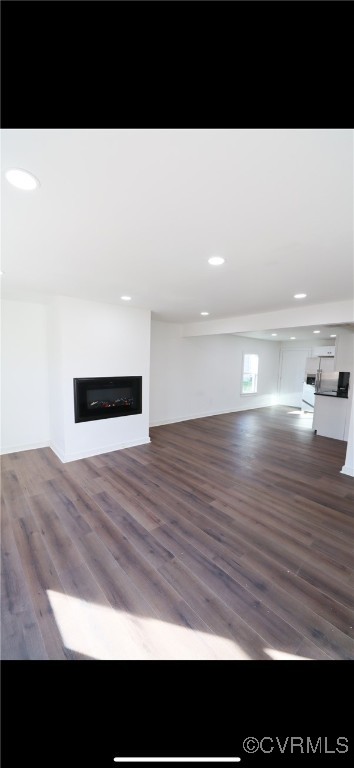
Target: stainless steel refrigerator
(335, 383)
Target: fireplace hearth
(106, 398)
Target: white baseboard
(205, 414)
(347, 470)
(65, 458)
(28, 447)
(58, 452)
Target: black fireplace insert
(105, 398)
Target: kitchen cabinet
(323, 351)
(330, 417)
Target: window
(249, 374)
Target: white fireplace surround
(55, 343)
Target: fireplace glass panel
(110, 398)
(103, 398)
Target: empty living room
(177, 371)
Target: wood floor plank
(285, 553)
(10, 486)
(299, 615)
(143, 541)
(20, 633)
(41, 577)
(74, 574)
(81, 471)
(309, 650)
(13, 641)
(143, 573)
(118, 588)
(34, 469)
(227, 537)
(215, 613)
(14, 588)
(76, 509)
(215, 541)
(160, 601)
(138, 507)
(296, 485)
(142, 622)
(336, 614)
(261, 619)
(268, 528)
(281, 499)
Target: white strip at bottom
(177, 759)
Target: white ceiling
(139, 212)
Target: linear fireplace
(105, 398)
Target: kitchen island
(331, 416)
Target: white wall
(93, 339)
(292, 373)
(311, 346)
(348, 468)
(333, 313)
(344, 356)
(55, 375)
(344, 361)
(201, 376)
(24, 376)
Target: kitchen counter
(331, 416)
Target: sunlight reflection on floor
(282, 656)
(306, 417)
(102, 632)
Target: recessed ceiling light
(317, 331)
(126, 298)
(204, 313)
(274, 334)
(215, 261)
(22, 179)
(292, 338)
(333, 336)
(300, 295)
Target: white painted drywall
(292, 374)
(55, 374)
(332, 313)
(201, 376)
(24, 376)
(302, 344)
(93, 339)
(344, 355)
(344, 361)
(348, 468)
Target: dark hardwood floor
(229, 537)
